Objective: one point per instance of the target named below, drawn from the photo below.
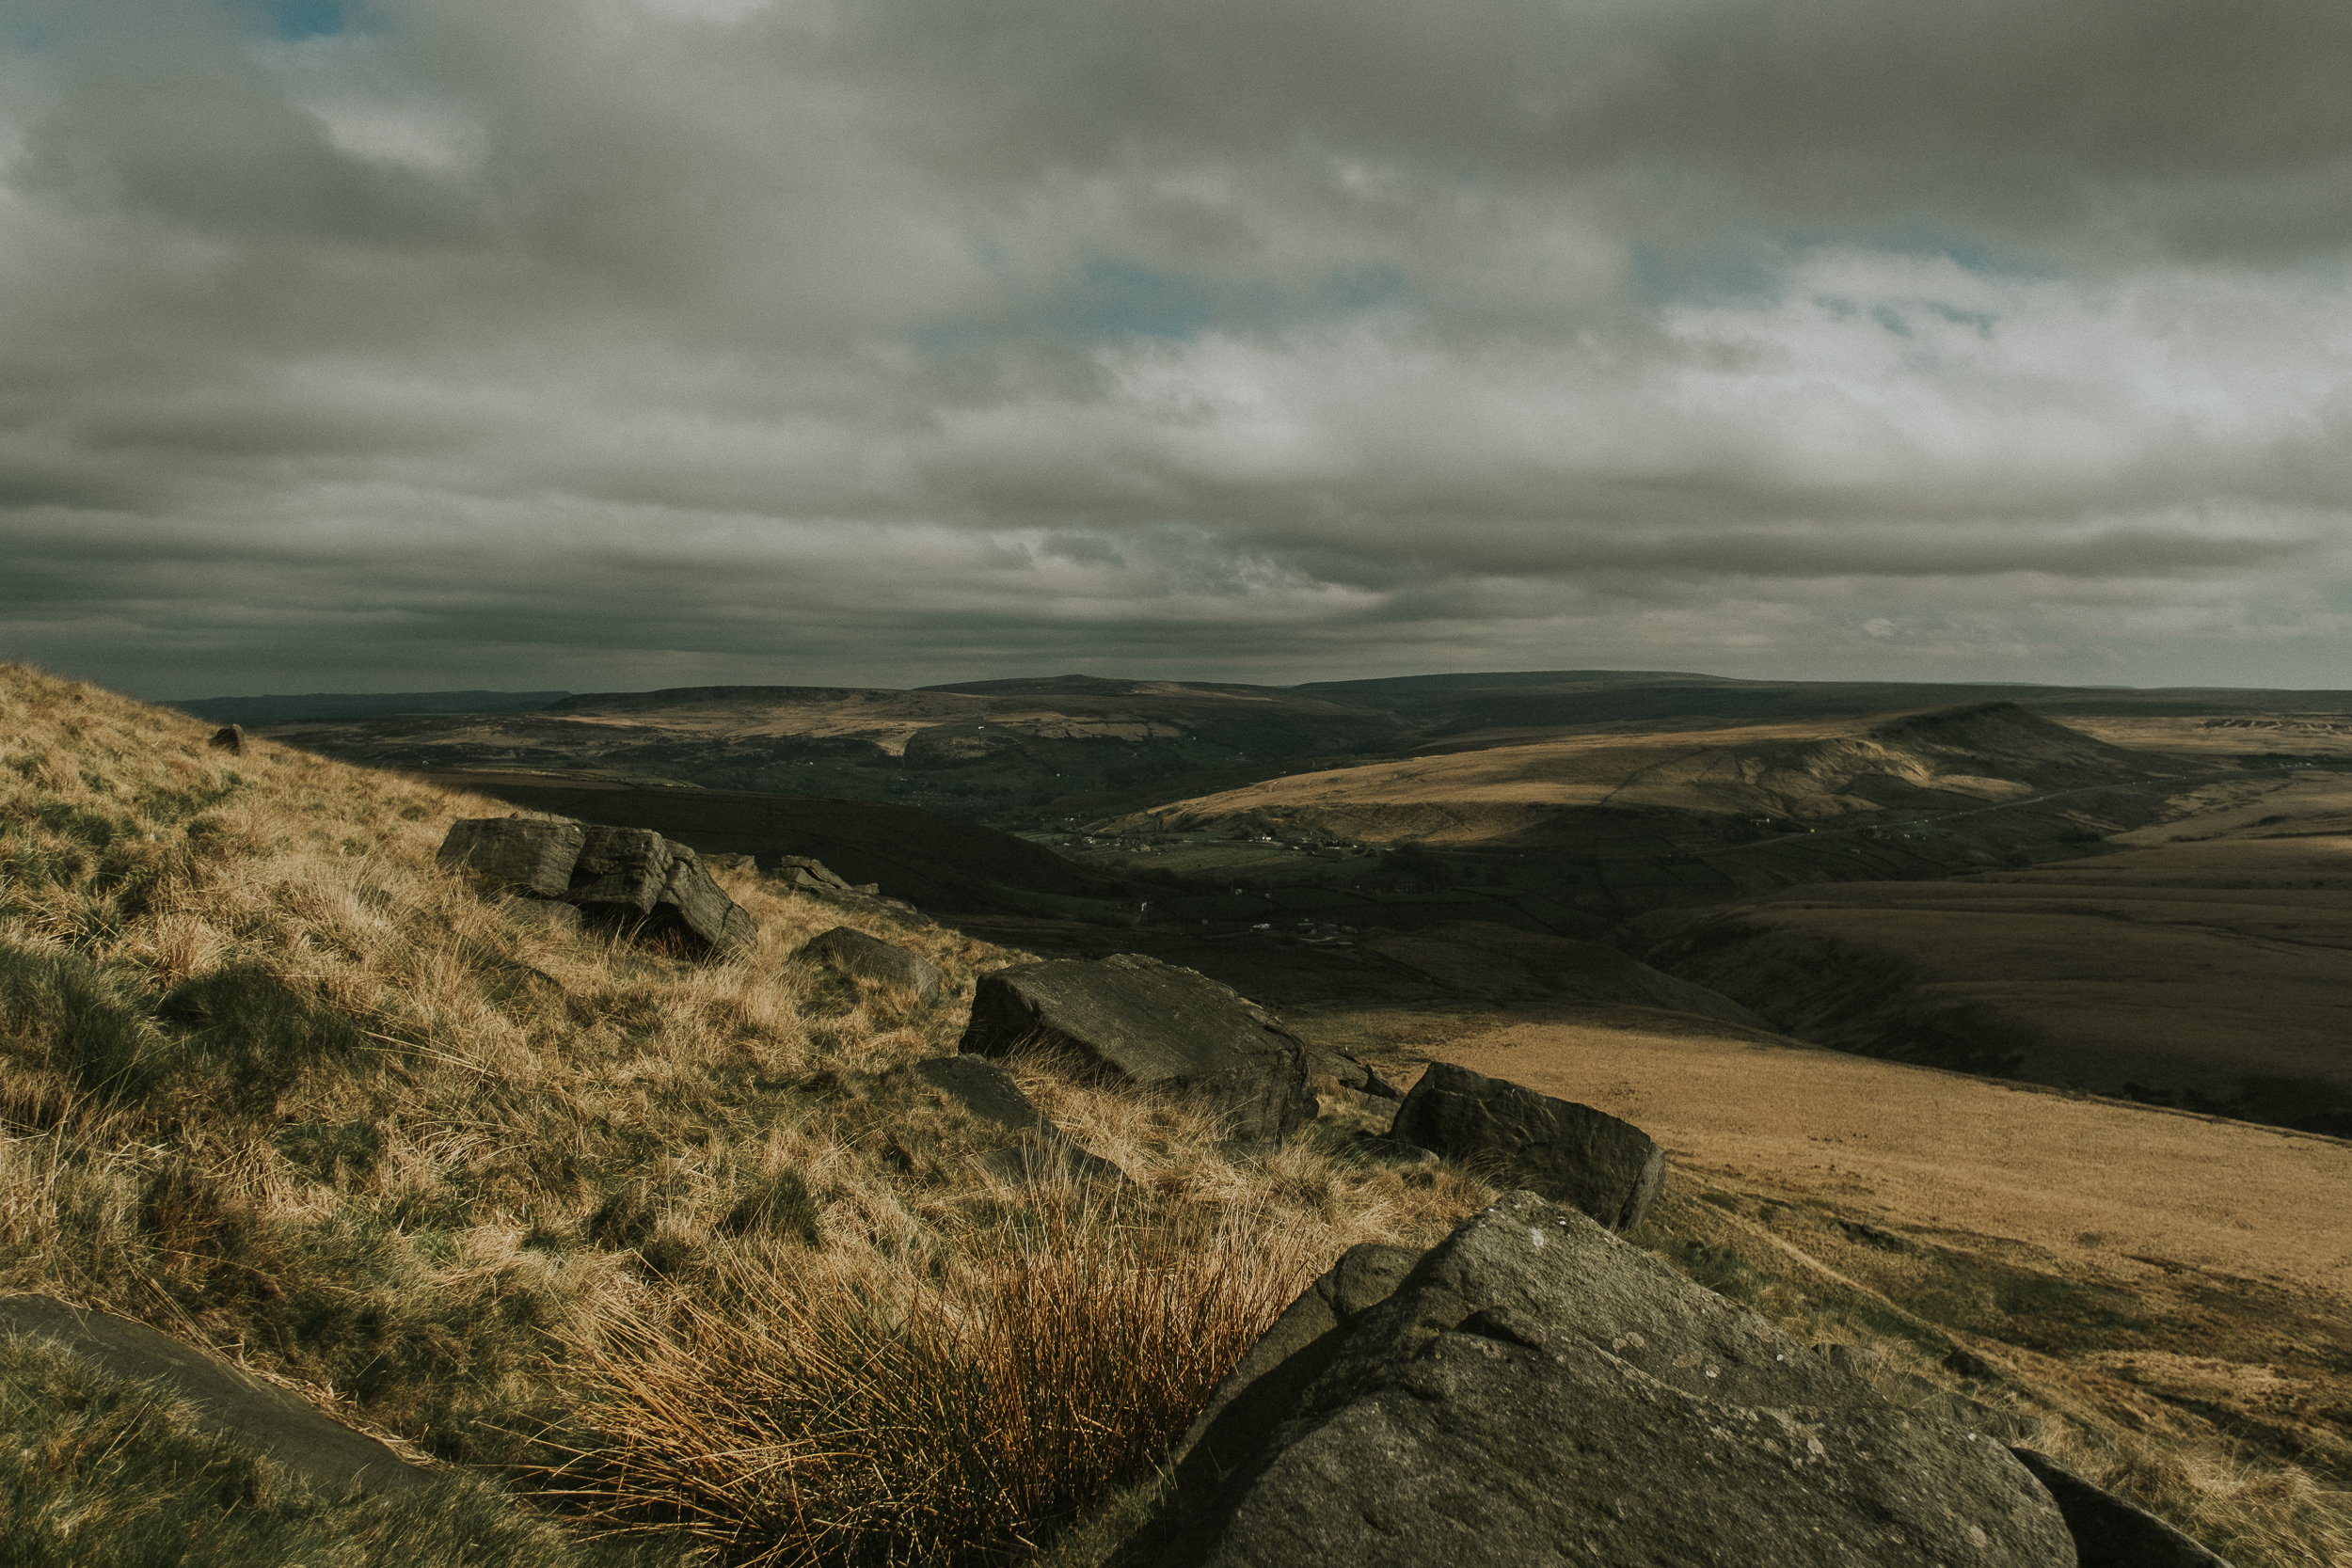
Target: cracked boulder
(1135, 1020)
(631, 877)
(1534, 1390)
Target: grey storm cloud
(630, 342)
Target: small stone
(983, 1087)
(854, 952)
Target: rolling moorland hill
(1050, 753)
(1938, 761)
(1013, 752)
(541, 1206)
(1491, 705)
(275, 1081)
(1576, 832)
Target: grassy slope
(690, 1239)
(272, 1083)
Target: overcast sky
(606, 345)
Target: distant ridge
(693, 696)
(1097, 686)
(359, 705)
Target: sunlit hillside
(1811, 771)
(274, 1083)
(658, 1259)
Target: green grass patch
(73, 1022)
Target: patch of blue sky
(1716, 276)
(292, 21)
(1120, 299)
(1746, 267)
(1113, 299)
(1919, 238)
(22, 31)
(1980, 322)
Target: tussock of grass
(2244, 1513)
(952, 1414)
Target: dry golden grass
(272, 1081)
(886, 1415)
(2224, 735)
(2110, 1183)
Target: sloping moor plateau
(1945, 760)
(2205, 966)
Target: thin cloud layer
(627, 342)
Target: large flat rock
(526, 854)
(1135, 1020)
(630, 875)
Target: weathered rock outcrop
(231, 1403)
(525, 854)
(854, 952)
(1608, 1168)
(1536, 1390)
(229, 739)
(1135, 1020)
(627, 876)
(1338, 1069)
(1266, 1385)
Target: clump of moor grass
(951, 1415)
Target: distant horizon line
(556, 694)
